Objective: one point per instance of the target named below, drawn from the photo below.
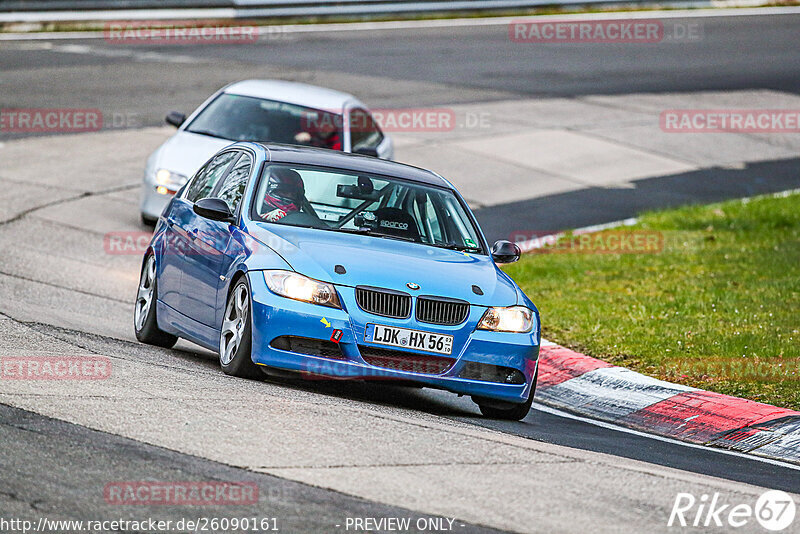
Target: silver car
(272, 111)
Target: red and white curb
(590, 387)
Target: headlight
(298, 287)
(168, 182)
(513, 319)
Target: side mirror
(505, 252)
(215, 209)
(367, 151)
(175, 118)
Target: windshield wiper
(398, 237)
(372, 233)
(454, 246)
(365, 231)
(208, 133)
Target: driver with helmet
(284, 193)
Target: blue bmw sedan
(343, 266)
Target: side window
(203, 184)
(363, 130)
(232, 188)
(198, 176)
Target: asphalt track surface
(47, 454)
(51, 466)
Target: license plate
(408, 339)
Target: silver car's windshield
(245, 118)
(362, 203)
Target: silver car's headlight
(512, 319)
(168, 182)
(298, 287)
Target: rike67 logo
(774, 510)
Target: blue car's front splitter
(276, 319)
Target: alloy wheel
(144, 295)
(233, 324)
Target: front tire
(236, 338)
(145, 324)
(516, 412)
(148, 221)
(505, 410)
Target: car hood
(388, 263)
(185, 152)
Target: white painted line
(611, 426)
(605, 226)
(539, 242)
(383, 25)
(782, 194)
(131, 52)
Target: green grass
(725, 290)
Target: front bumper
(152, 203)
(275, 316)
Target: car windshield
(380, 206)
(245, 118)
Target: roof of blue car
(355, 162)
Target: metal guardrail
(94, 5)
(73, 5)
(98, 10)
(72, 11)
